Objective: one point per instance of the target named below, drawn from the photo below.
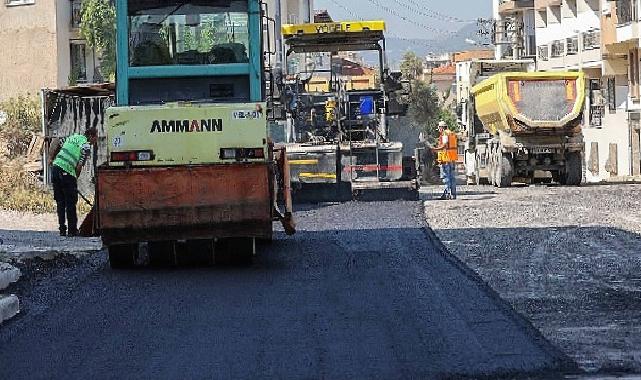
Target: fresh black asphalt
(361, 292)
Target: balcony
(509, 7)
(542, 4)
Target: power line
(419, 42)
(406, 19)
(349, 11)
(427, 12)
(430, 43)
(353, 14)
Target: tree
(425, 110)
(411, 66)
(423, 104)
(98, 28)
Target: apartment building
(621, 41)
(568, 36)
(42, 47)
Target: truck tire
(122, 256)
(491, 168)
(505, 171)
(573, 169)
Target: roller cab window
(195, 32)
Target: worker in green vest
(67, 156)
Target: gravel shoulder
(568, 259)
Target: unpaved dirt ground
(569, 259)
(362, 291)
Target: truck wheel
(505, 171)
(122, 256)
(491, 170)
(573, 169)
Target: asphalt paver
(363, 290)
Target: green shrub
(23, 120)
(20, 191)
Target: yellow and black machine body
(336, 112)
(532, 123)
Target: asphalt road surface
(362, 291)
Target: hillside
(396, 47)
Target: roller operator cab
(189, 161)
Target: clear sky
(411, 18)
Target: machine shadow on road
(580, 286)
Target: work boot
(73, 233)
(63, 231)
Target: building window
(543, 52)
(557, 49)
(530, 46)
(592, 40)
(19, 2)
(76, 6)
(611, 95)
(572, 44)
(633, 74)
(78, 72)
(627, 11)
(597, 103)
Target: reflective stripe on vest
(70, 153)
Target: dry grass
(19, 191)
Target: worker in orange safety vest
(447, 150)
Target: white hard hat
(442, 124)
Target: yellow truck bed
(528, 103)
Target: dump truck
(190, 168)
(532, 123)
(337, 111)
(469, 74)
